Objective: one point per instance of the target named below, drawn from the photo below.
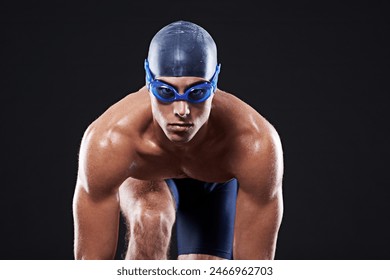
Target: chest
(208, 166)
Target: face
(180, 120)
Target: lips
(180, 126)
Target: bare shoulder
(257, 154)
(107, 145)
(247, 124)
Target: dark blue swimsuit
(205, 216)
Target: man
(179, 149)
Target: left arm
(259, 207)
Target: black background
(319, 72)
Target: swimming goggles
(167, 93)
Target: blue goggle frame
(167, 93)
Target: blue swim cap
(182, 48)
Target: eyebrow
(189, 86)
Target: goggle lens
(166, 93)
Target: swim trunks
(205, 214)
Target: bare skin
(138, 142)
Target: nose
(181, 108)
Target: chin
(179, 139)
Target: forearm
(256, 228)
(96, 225)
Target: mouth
(181, 126)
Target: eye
(165, 92)
(197, 93)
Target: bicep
(96, 199)
(103, 164)
(96, 221)
(259, 202)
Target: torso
(213, 161)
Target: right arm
(96, 221)
(102, 169)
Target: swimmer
(179, 150)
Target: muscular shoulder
(256, 149)
(250, 131)
(108, 145)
